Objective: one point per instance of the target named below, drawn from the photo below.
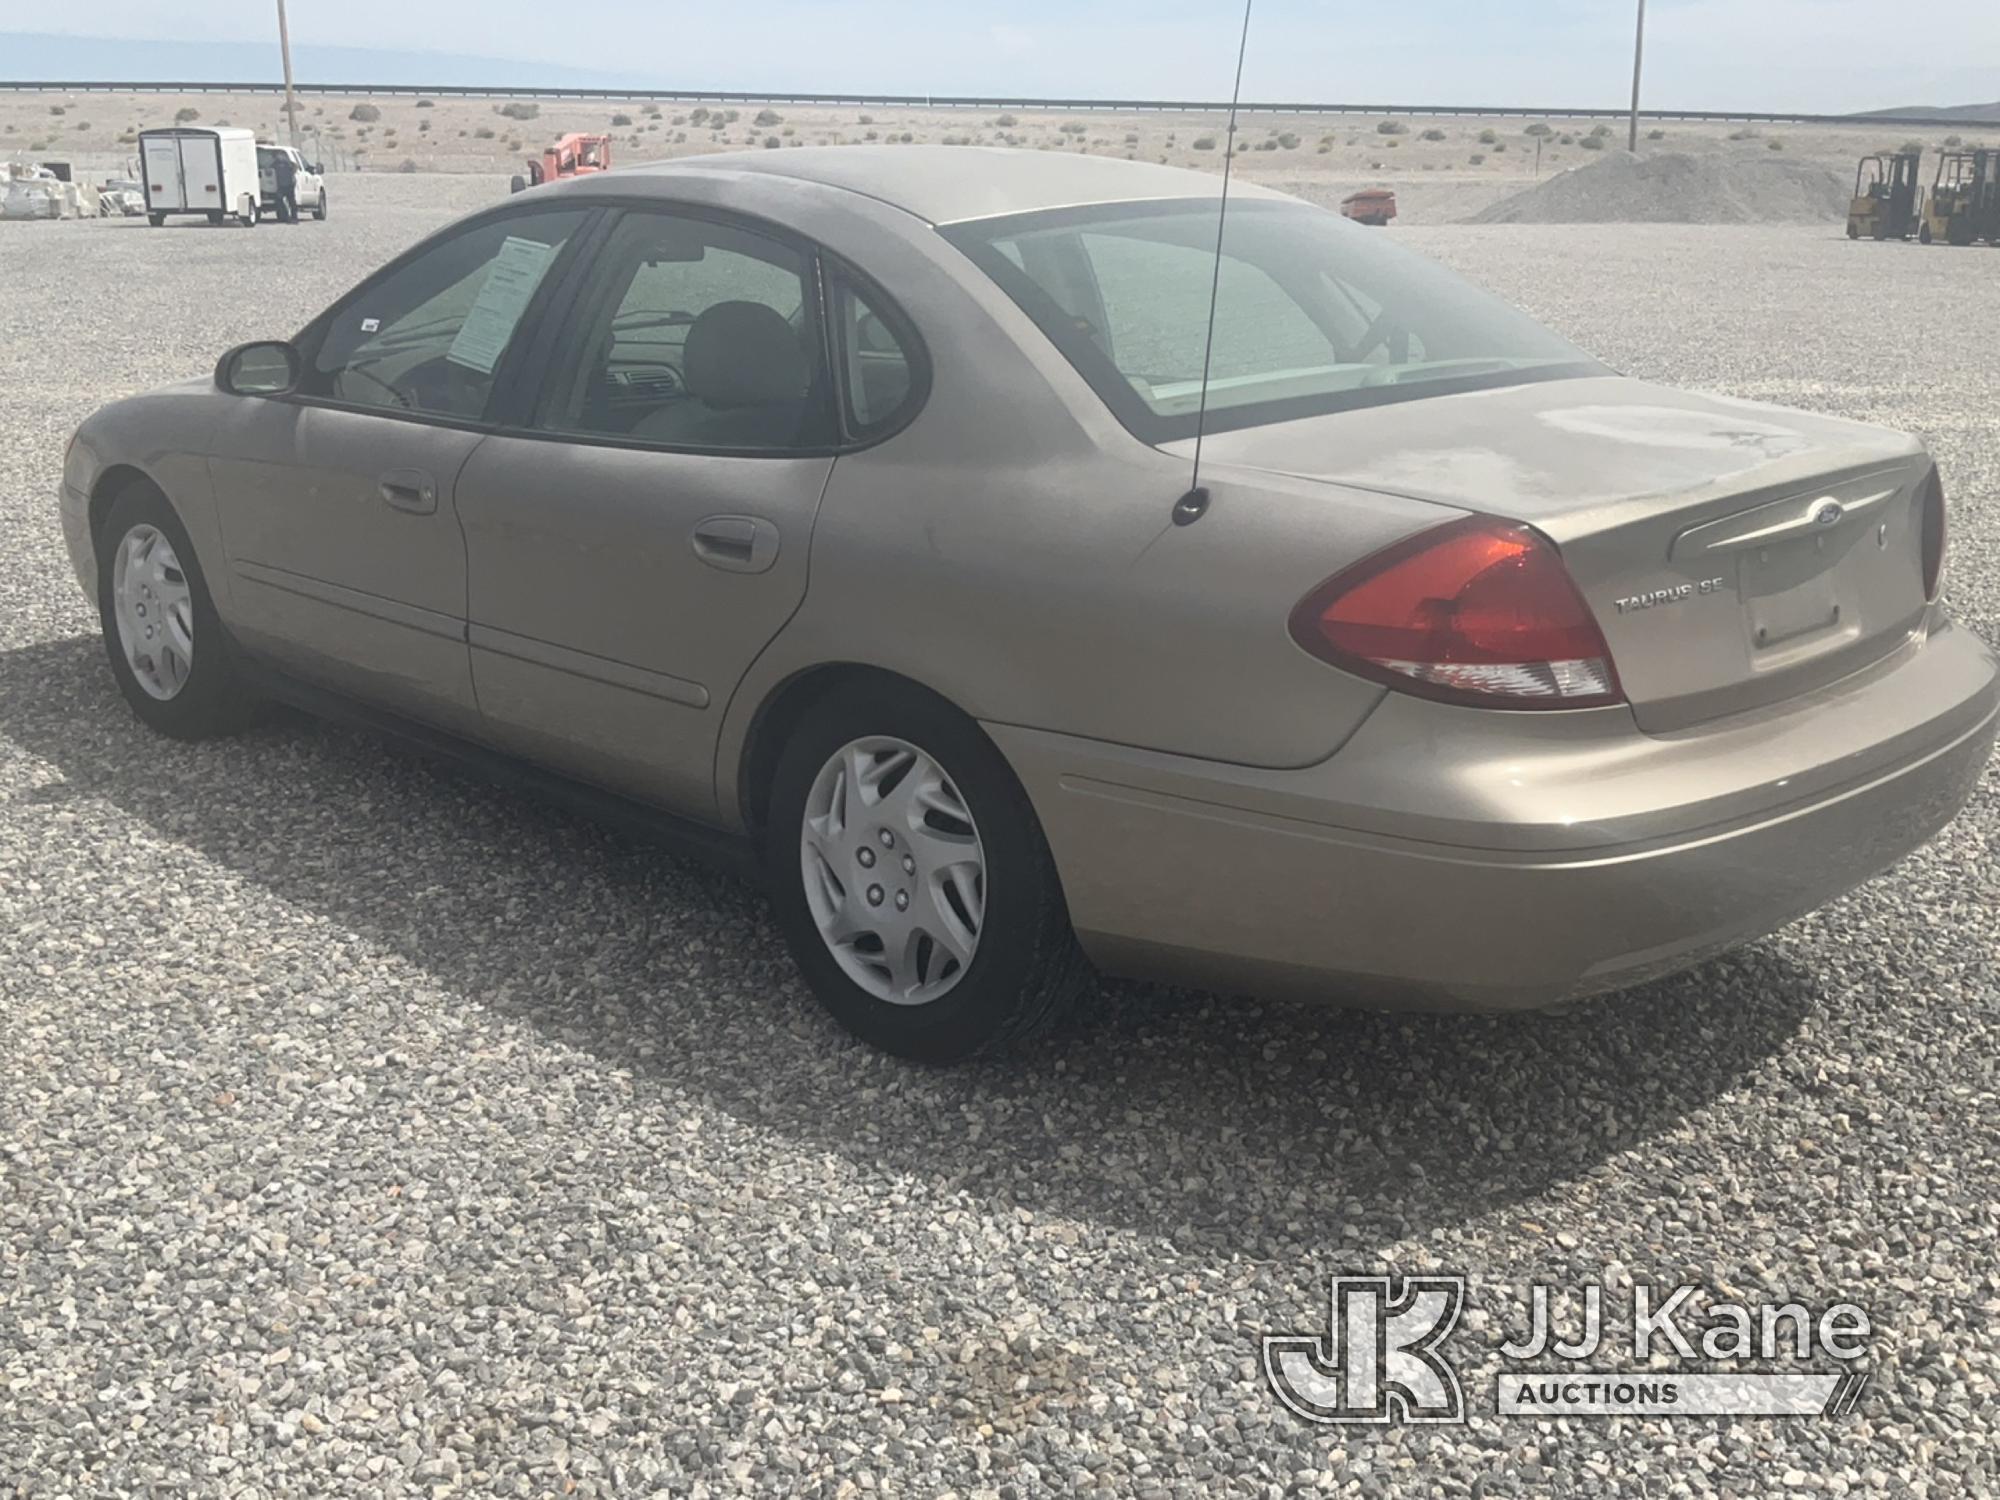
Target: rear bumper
(1500, 861)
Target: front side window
(694, 334)
(427, 335)
(1312, 314)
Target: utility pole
(1638, 56)
(291, 103)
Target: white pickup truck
(311, 185)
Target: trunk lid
(1734, 554)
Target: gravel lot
(365, 1130)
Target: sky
(1828, 56)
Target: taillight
(1931, 521)
(1478, 611)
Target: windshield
(1313, 314)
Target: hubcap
(894, 871)
(154, 612)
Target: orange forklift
(572, 156)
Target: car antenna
(1192, 506)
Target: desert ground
(1444, 169)
(369, 1130)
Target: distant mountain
(1962, 114)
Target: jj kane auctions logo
(1382, 1357)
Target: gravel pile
(365, 1130)
(1678, 188)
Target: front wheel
(166, 644)
(319, 208)
(912, 881)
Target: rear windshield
(1313, 313)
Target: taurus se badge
(1677, 594)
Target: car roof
(950, 184)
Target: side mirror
(267, 368)
(316, 169)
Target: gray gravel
(365, 1130)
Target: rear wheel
(166, 645)
(912, 880)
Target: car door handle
(411, 490)
(736, 544)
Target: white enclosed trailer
(196, 169)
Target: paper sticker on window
(510, 281)
(371, 325)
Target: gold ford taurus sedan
(833, 508)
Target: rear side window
(880, 366)
(694, 334)
(427, 335)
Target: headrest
(743, 354)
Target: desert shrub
(185, 114)
(1656, 135)
(1204, 143)
(955, 140)
(1073, 127)
(1477, 157)
(1394, 144)
(1747, 133)
(1499, 145)
(621, 119)
(58, 109)
(1954, 140)
(484, 133)
(1433, 134)
(1592, 143)
(1911, 146)
(1774, 144)
(366, 113)
(772, 143)
(1565, 140)
(1325, 147)
(871, 135)
(908, 138)
(518, 109)
(1267, 145)
(1540, 127)
(423, 127)
(406, 165)
(127, 137)
(698, 115)
(1601, 130)
(1007, 122)
(82, 125)
(1288, 141)
(730, 116)
(767, 117)
(425, 104)
(1489, 137)
(1392, 127)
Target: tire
(250, 220)
(319, 208)
(215, 216)
(156, 220)
(210, 700)
(1853, 230)
(517, 184)
(1924, 235)
(1024, 971)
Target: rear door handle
(736, 544)
(410, 489)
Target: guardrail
(964, 101)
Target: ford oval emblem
(1829, 513)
